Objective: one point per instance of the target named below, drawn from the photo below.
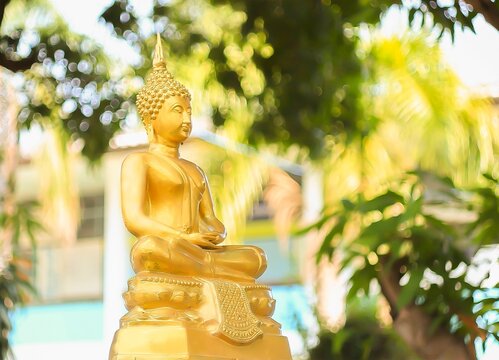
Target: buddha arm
(134, 200)
(207, 213)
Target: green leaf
(340, 339)
(491, 178)
(413, 208)
(440, 225)
(371, 242)
(326, 248)
(361, 279)
(381, 228)
(488, 235)
(315, 226)
(347, 204)
(381, 202)
(409, 290)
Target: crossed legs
(177, 256)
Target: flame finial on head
(158, 59)
(159, 86)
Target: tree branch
(390, 290)
(3, 5)
(14, 65)
(413, 325)
(488, 9)
(17, 65)
(389, 281)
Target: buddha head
(164, 103)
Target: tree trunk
(488, 9)
(413, 325)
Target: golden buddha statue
(191, 298)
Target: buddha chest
(175, 188)
(173, 176)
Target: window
(92, 217)
(260, 211)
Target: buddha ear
(149, 130)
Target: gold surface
(191, 298)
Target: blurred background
(355, 141)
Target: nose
(186, 118)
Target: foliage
(297, 89)
(454, 14)
(361, 338)
(402, 233)
(23, 225)
(15, 285)
(312, 75)
(420, 115)
(414, 93)
(295, 63)
(66, 78)
(300, 89)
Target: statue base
(180, 317)
(170, 342)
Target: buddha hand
(206, 240)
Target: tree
(424, 119)
(66, 78)
(297, 89)
(295, 62)
(421, 262)
(291, 105)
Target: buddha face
(173, 122)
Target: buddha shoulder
(146, 158)
(193, 167)
(135, 161)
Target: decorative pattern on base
(237, 322)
